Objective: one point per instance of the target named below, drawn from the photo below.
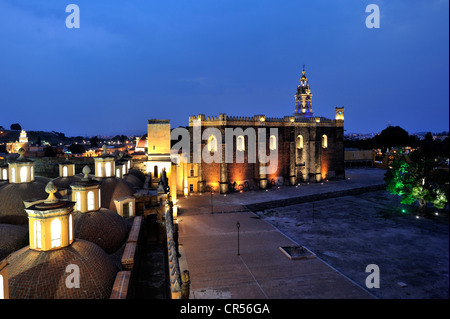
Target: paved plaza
(210, 247)
(209, 244)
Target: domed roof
(104, 227)
(113, 188)
(42, 274)
(133, 180)
(64, 182)
(42, 179)
(137, 173)
(142, 140)
(12, 209)
(12, 238)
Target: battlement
(251, 120)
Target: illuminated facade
(309, 149)
(21, 143)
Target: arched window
(65, 171)
(300, 141)
(55, 233)
(37, 234)
(23, 174)
(240, 143)
(70, 227)
(273, 142)
(99, 170)
(13, 175)
(324, 141)
(155, 171)
(108, 169)
(91, 200)
(212, 144)
(130, 209)
(78, 200)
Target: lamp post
(212, 207)
(238, 225)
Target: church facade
(308, 148)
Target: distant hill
(53, 138)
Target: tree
(94, 141)
(49, 151)
(418, 179)
(392, 136)
(16, 127)
(76, 148)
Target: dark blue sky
(137, 59)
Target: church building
(308, 148)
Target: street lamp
(211, 191)
(238, 225)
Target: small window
(240, 143)
(130, 208)
(125, 210)
(191, 188)
(91, 200)
(212, 144)
(155, 171)
(23, 174)
(300, 141)
(37, 234)
(99, 169)
(192, 173)
(108, 169)
(78, 201)
(324, 141)
(55, 228)
(273, 142)
(70, 227)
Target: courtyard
(352, 232)
(347, 233)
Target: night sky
(135, 60)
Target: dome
(133, 180)
(64, 182)
(42, 179)
(104, 228)
(42, 274)
(12, 238)
(113, 188)
(141, 143)
(138, 174)
(12, 197)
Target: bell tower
(303, 98)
